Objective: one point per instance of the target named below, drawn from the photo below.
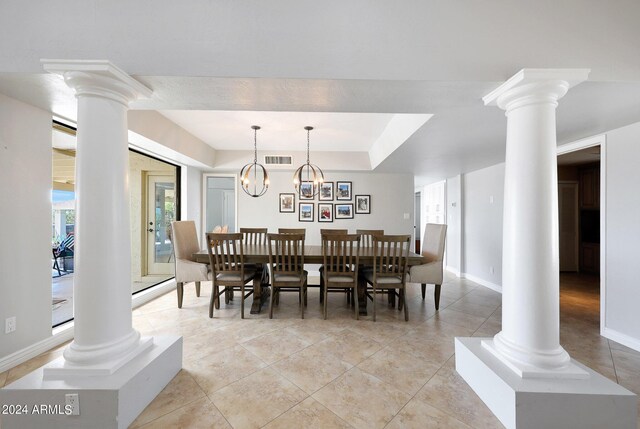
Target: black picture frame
(343, 211)
(363, 204)
(326, 192)
(325, 212)
(283, 206)
(306, 193)
(343, 191)
(306, 212)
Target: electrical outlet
(73, 401)
(10, 325)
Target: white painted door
(161, 210)
(568, 225)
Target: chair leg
(180, 289)
(302, 290)
(374, 303)
(436, 296)
(324, 302)
(198, 289)
(322, 295)
(217, 297)
(400, 298)
(212, 300)
(424, 290)
(404, 301)
(356, 303)
(273, 292)
(242, 302)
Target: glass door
(161, 211)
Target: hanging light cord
(308, 131)
(255, 146)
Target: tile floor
(343, 373)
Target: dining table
(259, 254)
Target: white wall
(482, 225)
(453, 247)
(25, 253)
(192, 204)
(392, 195)
(623, 235)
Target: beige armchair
(185, 243)
(431, 272)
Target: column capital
(98, 78)
(532, 86)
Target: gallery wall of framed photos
(346, 200)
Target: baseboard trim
(482, 282)
(454, 271)
(624, 339)
(64, 333)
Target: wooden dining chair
(302, 231)
(323, 232)
(286, 261)
(252, 236)
(340, 254)
(368, 234)
(390, 261)
(226, 258)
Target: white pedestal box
(594, 402)
(112, 401)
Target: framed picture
(306, 191)
(305, 213)
(325, 212)
(287, 203)
(326, 191)
(363, 204)
(343, 211)
(343, 191)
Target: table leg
(261, 290)
(362, 295)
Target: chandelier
(308, 177)
(253, 176)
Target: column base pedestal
(111, 401)
(533, 403)
(571, 370)
(61, 368)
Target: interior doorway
(580, 229)
(220, 202)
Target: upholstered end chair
(432, 271)
(185, 243)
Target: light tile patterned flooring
(343, 373)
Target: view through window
(154, 203)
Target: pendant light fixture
(308, 173)
(253, 176)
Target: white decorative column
(104, 337)
(530, 339)
(523, 374)
(111, 371)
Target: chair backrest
(302, 231)
(226, 253)
(368, 234)
(341, 254)
(433, 244)
(254, 235)
(184, 239)
(325, 231)
(67, 244)
(390, 256)
(286, 254)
